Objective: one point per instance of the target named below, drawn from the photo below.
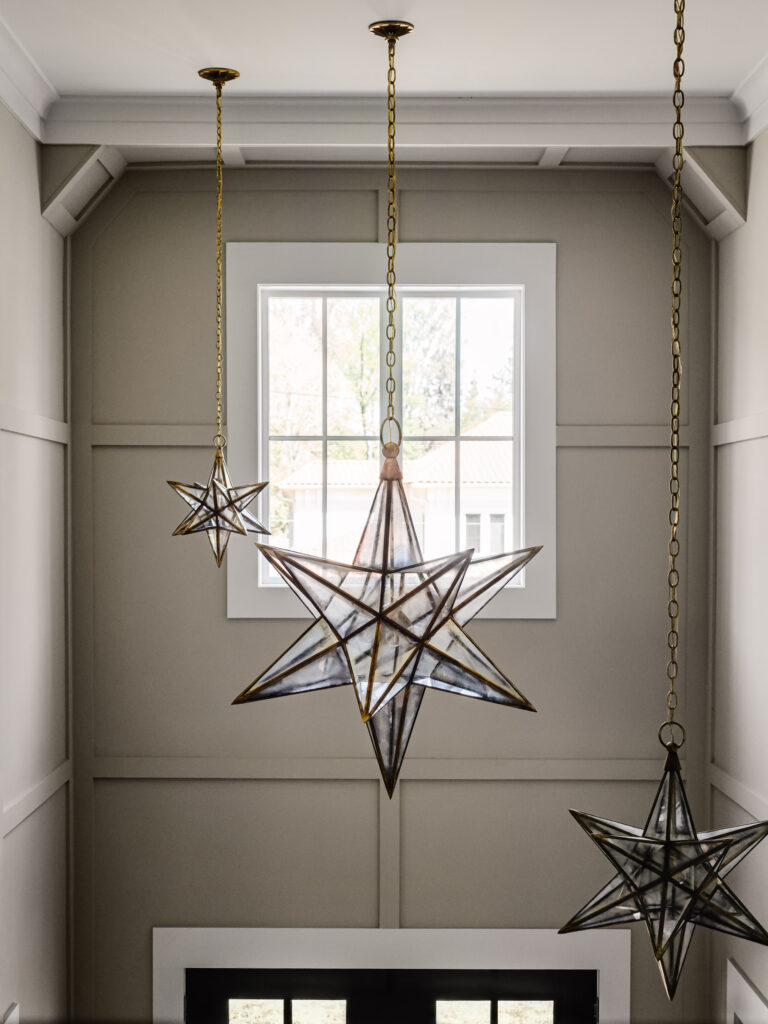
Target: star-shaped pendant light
(668, 875)
(218, 508)
(389, 623)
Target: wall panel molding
(21, 807)
(749, 799)
(31, 424)
(749, 428)
(414, 768)
(167, 435)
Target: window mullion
(324, 442)
(457, 428)
(398, 370)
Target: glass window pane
(429, 474)
(497, 538)
(319, 1011)
(487, 365)
(295, 330)
(462, 1011)
(255, 1011)
(353, 475)
(472, 530)
(526, 1011)
(353, 365)
(486, 487)
(429, 365)
(296, 495)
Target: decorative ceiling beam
(446, 127)
(80, 184)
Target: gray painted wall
(739, 755)
(192, 812)
(34, 750)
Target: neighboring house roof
(490, 464)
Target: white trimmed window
(475, 396)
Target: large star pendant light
(670, 876)
(217, 508)
(390, 624)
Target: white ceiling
(519, 82)
(306, 47)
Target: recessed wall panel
(742, 365)
(32, 363)
(603, 659)
(168, 664)
(33, 700)
(613, 273)
(224, 853)
(154, 289)
(33, 909)
(741, 639)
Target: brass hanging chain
(219, 440)
(218, 77)
(673, 577)
(391, 234)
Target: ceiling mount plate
(219, 76)
(391, 29)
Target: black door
(393, 996)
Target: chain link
(219, 439)
(673, 577)
(391, 235)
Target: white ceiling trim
(24, 89)
(751, 100)
(446, 128)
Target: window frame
(254, 266)
(407, 994)
(607, 951)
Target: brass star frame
(390, 624)
(670, 876)
(218, 508)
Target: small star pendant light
(668, 875)
(389, 623)
(217, 508)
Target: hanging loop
(671, 735)
(394, 432)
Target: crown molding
(750, 98)
(24, 89)
(445, 128)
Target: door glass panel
(462, 1011)
(319, 1011)
(526, 1011)
(255, 1011)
